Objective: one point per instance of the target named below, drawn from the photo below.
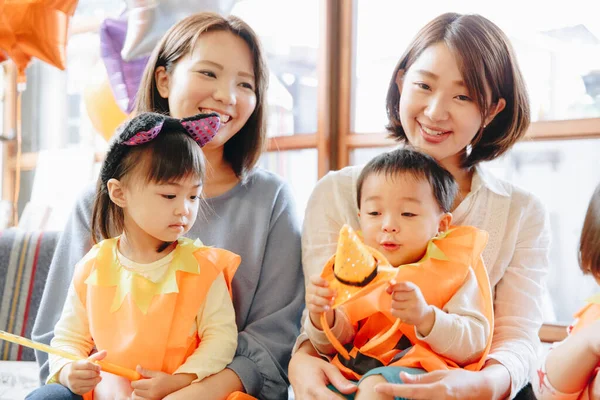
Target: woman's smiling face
(436, 110)
(217, 76)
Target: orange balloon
(100, 103)
(35, 28)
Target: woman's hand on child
(155, 385)
(409, 305)
(82, 376)
(319, 298)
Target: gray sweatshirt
(256, 219)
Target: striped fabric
(25, 258)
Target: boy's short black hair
(420, 165)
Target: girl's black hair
(172, 155)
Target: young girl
(456, 94)
(149, 298)
(211, 63)
(570, 369)
(439, 308)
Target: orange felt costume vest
(380, 337)
(140, 322)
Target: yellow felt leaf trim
(140, 289)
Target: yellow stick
(106, 366)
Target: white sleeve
(217, 331)
(461, 330)
(331, 205)
(518, 298)
(342, 329)
(71, 334)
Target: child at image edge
(570, 369)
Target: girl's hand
(82, 376)
(319, 298)
(410, 306)
(310, 375)
(155, 385)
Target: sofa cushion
(25, 258)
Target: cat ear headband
(201, 127)
(145, 127)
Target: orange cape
(142, 322)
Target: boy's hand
(319, 298)
(82, 376)
(155, 385)
(410, 306)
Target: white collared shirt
(516, 256)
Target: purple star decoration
(124, 76)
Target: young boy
(439, 314)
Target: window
(563, 175)
(299, 169)
(290, 42)
(291, 45)
(558, 52)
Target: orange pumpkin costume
(439, 274)
(141, 322)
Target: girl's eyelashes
(168, 196)
(408, 214)
(247, 85)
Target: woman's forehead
(438, 62)
(223, 48)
